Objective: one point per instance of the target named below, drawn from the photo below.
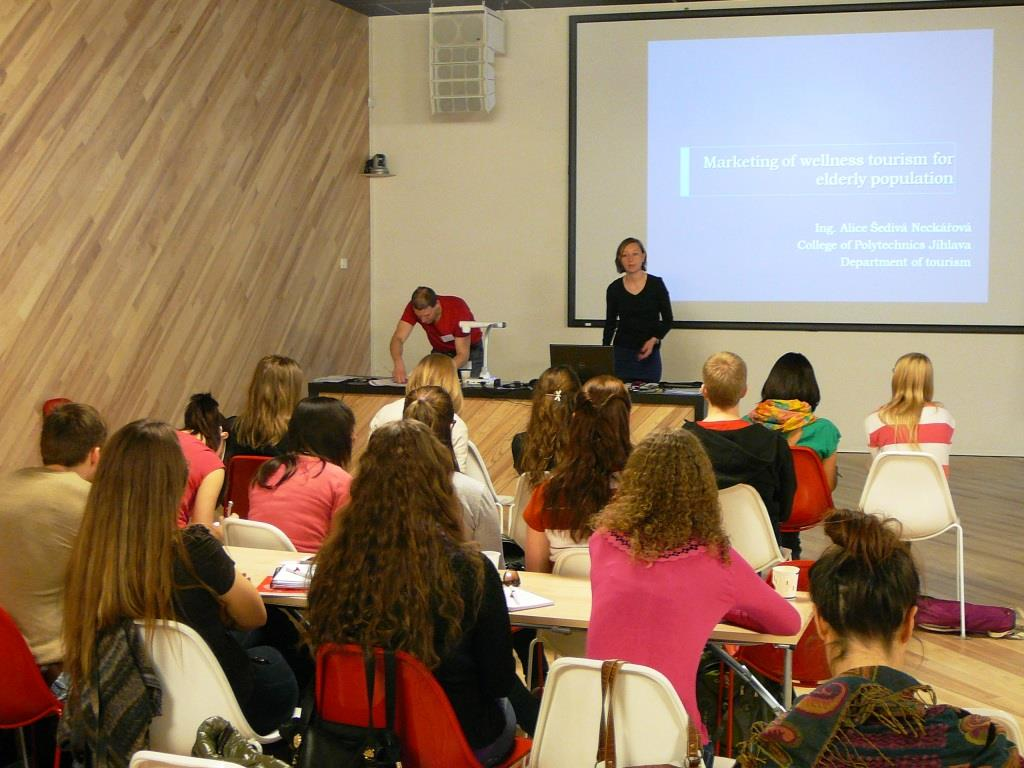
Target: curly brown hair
(554, 399)
(386, 575)
(597, 448)
(667, 498)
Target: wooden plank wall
(178, 181)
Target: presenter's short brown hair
(423, 297)
(725, 379)
(69, 433)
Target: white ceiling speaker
(463, 42)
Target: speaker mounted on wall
(463, 43)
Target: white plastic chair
(194, 688)
(748, 526)
(910, 486)
(148, 759)
(250, 533)
(516, 525)
(573, 563)
(650, 722)
(477, 469)
(1003, 718)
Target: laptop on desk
(588, 360)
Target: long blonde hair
(667, 498)
(554, 400)
(437, 370)
(912, 389)
(276, 388)
(389, 572)
(122, 562)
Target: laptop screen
(588, 360)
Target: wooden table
(571, 609)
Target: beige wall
(479, 208)
(177, 183)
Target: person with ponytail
(911, 420)
(537, 450)
(433, 406)
(663, 573)
(865, 589)
(560, 513)
(301, 489)
(202, 443)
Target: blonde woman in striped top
(911, 420)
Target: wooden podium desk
(495, 415)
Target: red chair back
(430, 733)
(813, 497)
(810, 662)
(53, 404)
(241, 470)
(24, 696)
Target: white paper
(520, 600)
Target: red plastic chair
(424, 720)
(25, 698)
(810, 662)
(53, 404)
(813, 498)
(240, 472)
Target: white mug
(494, 557)
(784, 577)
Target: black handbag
(321, 743)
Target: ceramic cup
(784, 577)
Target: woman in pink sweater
(663, 573)
(302, 489)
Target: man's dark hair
(69, 433)
(423, 297)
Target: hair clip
(558, 395)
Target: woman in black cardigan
(638, 315)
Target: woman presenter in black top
(639, 315)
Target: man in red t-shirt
(440, 317)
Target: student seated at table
(397, 572)
(742, 452)
(205, 422)
(789, 399)
(433, 407)
(434, 370)
(560, 513)
(202, 442)
(865, 589)
(152, 570)
(663, 574)
(275, 389)
(40, 513)
(911, 420)
(537, 450)
(302, 489)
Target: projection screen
(853, 167)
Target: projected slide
(821, 168)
